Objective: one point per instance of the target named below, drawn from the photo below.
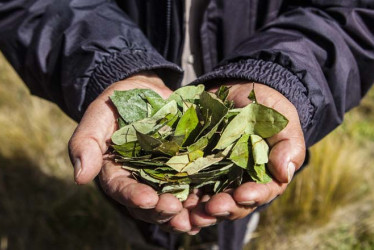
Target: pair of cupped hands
(89, 144)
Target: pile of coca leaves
(194, 139)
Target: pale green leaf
(260, 149)
(201, 163)
(178, 162)
(195, 155)
(253, 119)
(180, 191)
(132, 105)
(186, 93)
(259, 173)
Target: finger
(222, 205)
(119, 185)
(168, 205)
(288, 149)
(181, 222)
(286, 156)
(192, 199)
(288, 146)
(199, 217)
(257, 194)
(89, 141)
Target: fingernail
(162, 221)
(291, 171)
(193, 233)
(145, 207)
(223, 214)
(77, 168)
(247, 203)
(179, 231)
(208, 225)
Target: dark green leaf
(252, 96)
(147, 142)
(130, 149)
(215, 106)
(168, 147)
(187, 126)
(222, 92)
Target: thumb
(287, 148)
(89, 141)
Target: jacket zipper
(168, 24)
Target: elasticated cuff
(125, 64)
(270, 74)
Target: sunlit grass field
(328, 205)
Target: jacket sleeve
(320, 56)
(70, 51)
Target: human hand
(286, 155)
(88, 152)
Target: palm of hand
(90, 141)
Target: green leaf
(204, 183)
(240, 154)
(195, 155)
(260, 150)
(170, 148)
(124, 135)
(253, 119)
(181, 191)
(187, 126)
(156, 102)
(201, 163)
(132, 105)
(169, 108)
(214, 106)
(147, 142)
(268, 121)
(210, 175)
(187, 93)
(149, 178)
(129, 149)
(222, 92)
(252, 96)
(203, 141)
(145, 126)
(121, 122)
(259, 173)
(178, 162)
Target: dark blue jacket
(319, 54)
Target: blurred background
(329, 205)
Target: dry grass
(339, 174)
(40, 206)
